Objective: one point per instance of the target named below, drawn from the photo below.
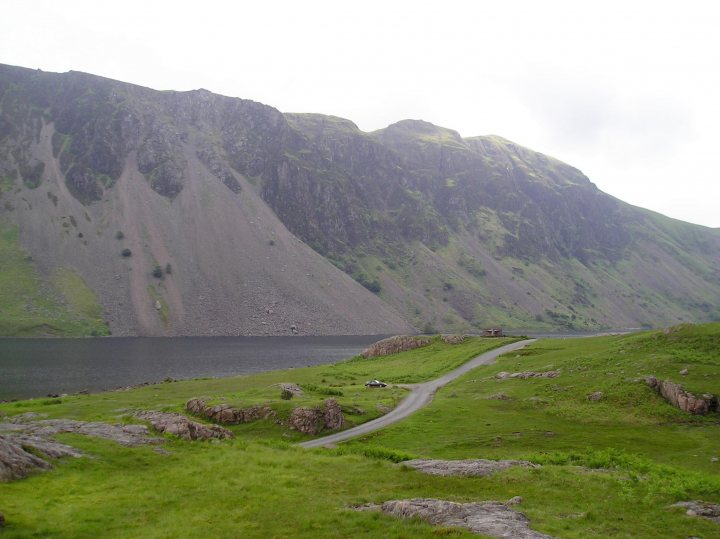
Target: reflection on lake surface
(37, 367)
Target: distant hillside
(216, 201)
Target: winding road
(420, 396)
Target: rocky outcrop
(679, 398)
(306, 420)
(128, 435)
(20, 455)
(16, 462)
(292, 388)
(452, 339)
(394, 345)
(528, 374)
(466, 468)
(210, 157)
(332, 415)
(498, 397)
(595, 396)
(229, 415)
(488, 518)
(311, 421)
(181, 426)
(710, 511)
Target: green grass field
(610, 468)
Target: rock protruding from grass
(498, 397)
(528, 374)
(488, 518)
(128, 435)
(292, 388)
(25, 441)
(452, 339)
(710, 511)
(395, 345)
(181, 426)
(679, 398)
(20, 455)
(466, 468)
(226, 414)
(311, 421)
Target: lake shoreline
(36, 368)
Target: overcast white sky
(627, 91)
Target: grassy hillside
(610, 468)
(551, 415)
(31, 306)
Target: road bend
(419, 397)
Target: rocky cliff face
(215, 202)
(150, 198)
(464, 233)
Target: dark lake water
(37, 367)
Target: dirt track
(420, 396)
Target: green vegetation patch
(7, 182)
(78, 295)
(31, 306)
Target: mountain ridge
(442, 232)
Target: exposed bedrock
(679, 398)
(181, 426)
(488, 518)
(471, 467)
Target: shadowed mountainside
(216, 201)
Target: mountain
(93, 169)
(135, 211)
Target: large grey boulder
(183, 427)
(333, 418)
(467, 468)
(128, 435)
(488, 518)
(306, 420)
(229, 415)
(19, 455)
(710, 511)
(312, 420)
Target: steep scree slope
(215, 200)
